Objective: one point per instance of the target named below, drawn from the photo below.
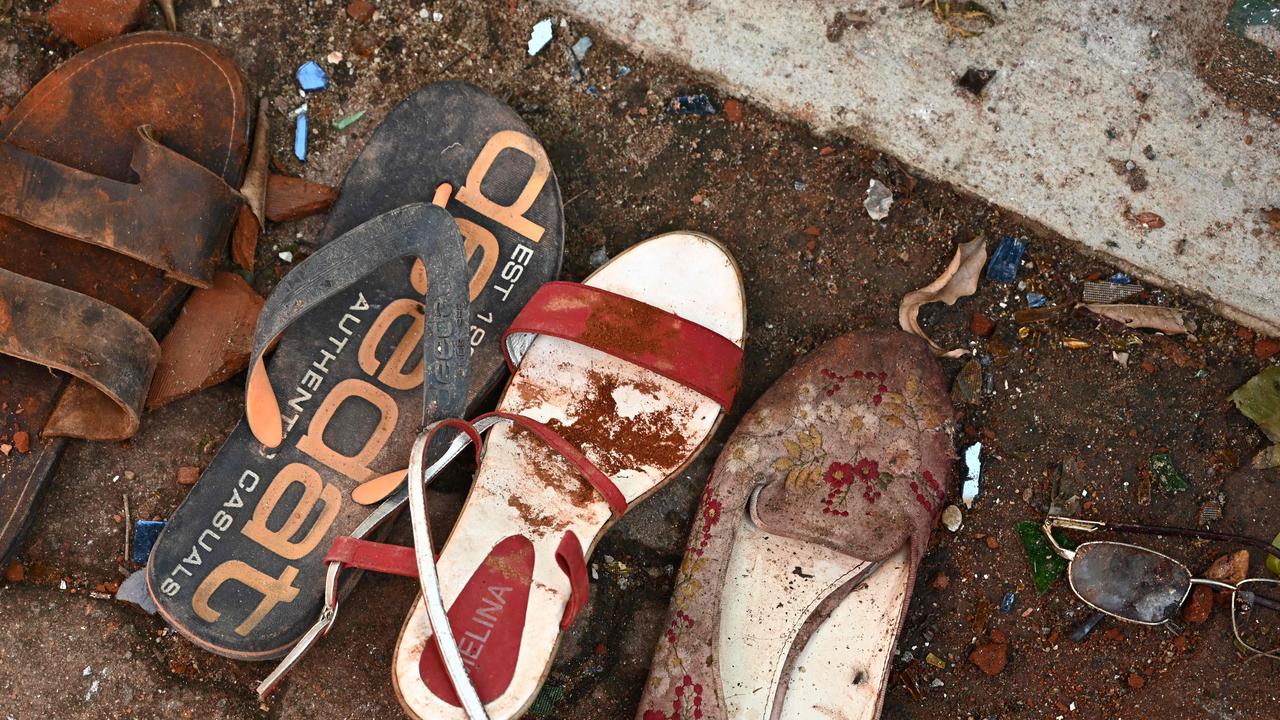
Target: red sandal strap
(678, 349)
(598, 480)
(570, 558)
(375, 556)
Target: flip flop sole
(239, 568)
(86, 114)
(637, 427)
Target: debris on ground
(981, 325)
(1006, 603)
(300, 137)
(1109, 292)
(145, 533)
(134, 590)
(1259, 400)
(1169, 321)
(312, 77)
(958, 280)
(1231, 568)
(1046, 565)
(962, 19)
(878, 201)
(210, 341)
(22, 441)
(733, 111)
(347, 121)
(952, 518)
(973, 474)
(575, 56)
(89, 22)
(293, 198)
(1082, 631)
(975, 80)
(250, 221)
(935, 661)
(1148, 220)
(991, 653)
(1006, 259)
(1036, 300)
(967, 388)
(698, 104)
(188, 475)
(15, 572)
(540, 36)
(1164, 471)
(361, 11)
(1273, 562)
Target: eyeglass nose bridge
(1053, 522)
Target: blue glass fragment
(300, 138)
(1006, 604)
(1121, 279)
(1005, 261)
(145, 533)
(1035, 300)
(698, 104)
(312, 77)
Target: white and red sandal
(617, 385)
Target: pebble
(361, 10)
(992, 653)
(15, 572)
(1231, 568)
(1199, 607)
(1266, 348)
(188, 475)
(940, 581)
(1136, 681)
(981, 325)
(952, 518)
(733, 110)
(22, 441)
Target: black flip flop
(239, 569)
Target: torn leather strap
(110, 354)
(176, 217)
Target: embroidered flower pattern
(803, 461)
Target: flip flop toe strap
(423, 231)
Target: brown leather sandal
(117, 194)
(803, 554)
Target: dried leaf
(960, 279)
(1259, 400)
(291, 198)
(244, 238)
(1267, 459)
(254, 188)
(1152, 317)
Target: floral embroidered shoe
(803, 555)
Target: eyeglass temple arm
(1091, 525)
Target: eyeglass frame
(1053, 522)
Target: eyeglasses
(1139, 585)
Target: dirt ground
(1054, 419)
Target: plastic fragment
(1163, 470)
(1006, 259)
(345, 122)
(1035, 300)
(973, 474)
(145, 533)
(312, 77)
(1046, 565)
(540, 37)
(623, 71)
(698, 104)
(300, 137)
(581, 47)
(878, 201)
(936, 661)
(1121, 279)
(1006, 603)
(134, 590)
